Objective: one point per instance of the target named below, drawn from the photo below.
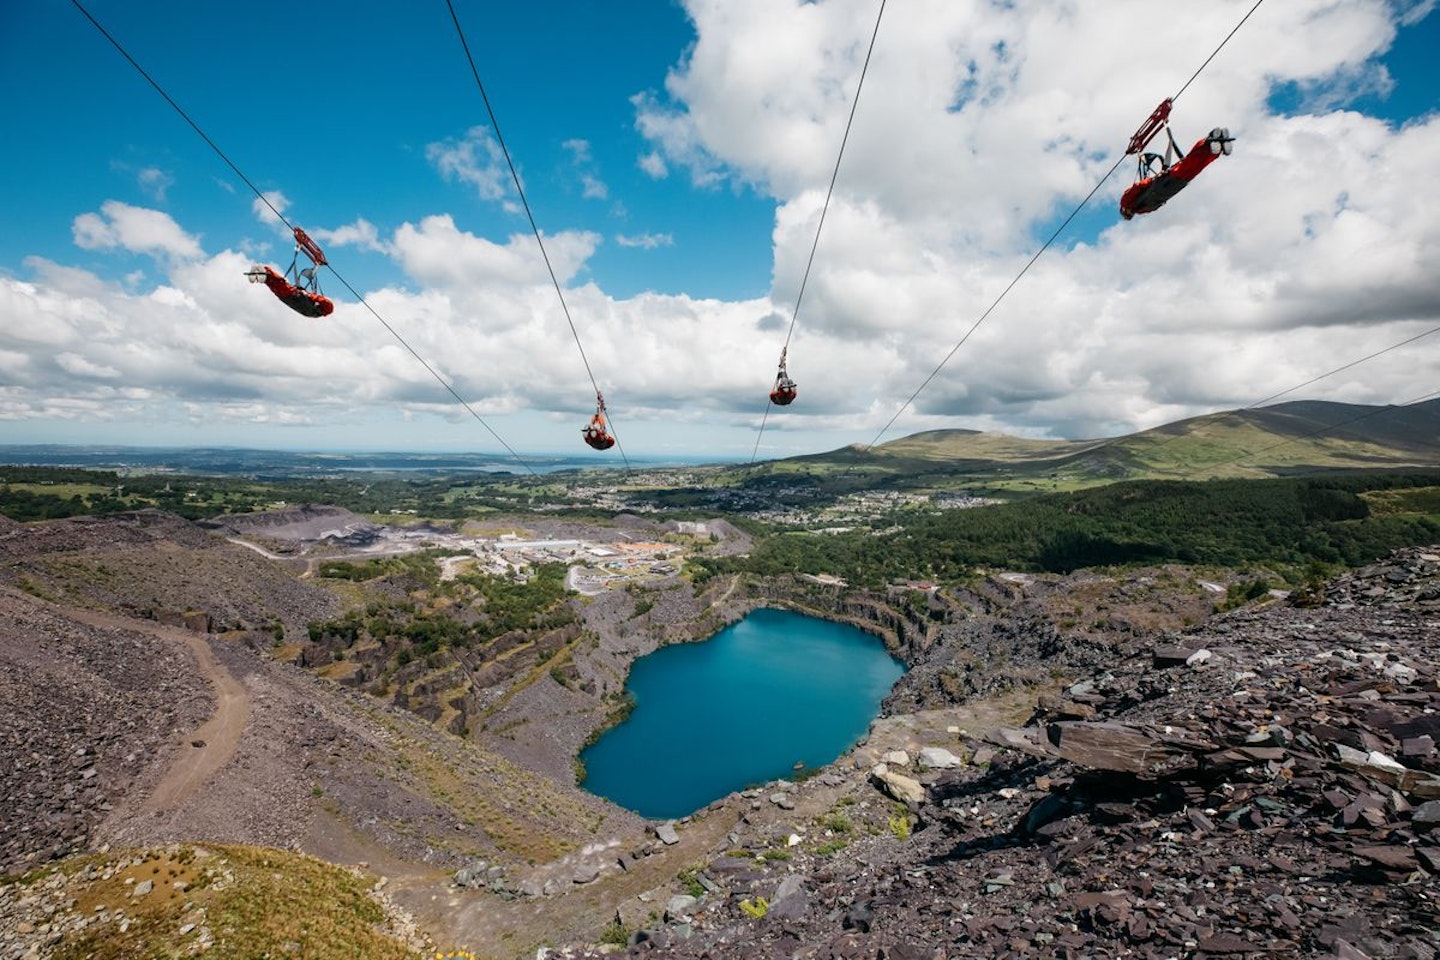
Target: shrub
(690, 879)
(616, 932)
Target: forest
(1294, 526)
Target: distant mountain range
(1305, 436)
(1286, 439)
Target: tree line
(1290, 524)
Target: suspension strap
(1173, 147)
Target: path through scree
(205, 750)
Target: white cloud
(645, 241)
(592, 187)
(1412, 12)
(582, 159)
(579, 150)
(269, 206)
(154, 182)
(80, 367)
(135, 229)
(678, 140)
(437, 253)
(654, 165)
(476, 159)
(361, 233)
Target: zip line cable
(1058, 230)
(1352, 363)
(805, 278)
(990, 309)
(281, 217)
(534, 227)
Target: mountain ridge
(1286, 439)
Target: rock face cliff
(1264, 785)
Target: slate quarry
(1266, 785)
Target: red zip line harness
(596, 433)
(1159, 178)
(298, 289)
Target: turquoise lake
(739, 709)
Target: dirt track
(206, 750)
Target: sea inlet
(768, 697)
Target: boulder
(1107, 745)
(938, 758)
(902, 788)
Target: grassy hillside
(1288, 439)
(215, 900)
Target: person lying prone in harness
(1160, 179)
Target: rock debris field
(1266, 785)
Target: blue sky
(676, 157)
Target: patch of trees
(23, 497)
(469, 611)
(1287, 524)
(22, 504)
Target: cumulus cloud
(933, 215)
(362, 234)
(475, 159)
(979, 129)
(135, 229)
(437, 253)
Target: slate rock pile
(1267, 785)
(84, 713)
(154, 565)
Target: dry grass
(340, 670)
(520, 820)
(241, 901)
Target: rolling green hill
(1288, 439)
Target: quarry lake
(739, 709)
